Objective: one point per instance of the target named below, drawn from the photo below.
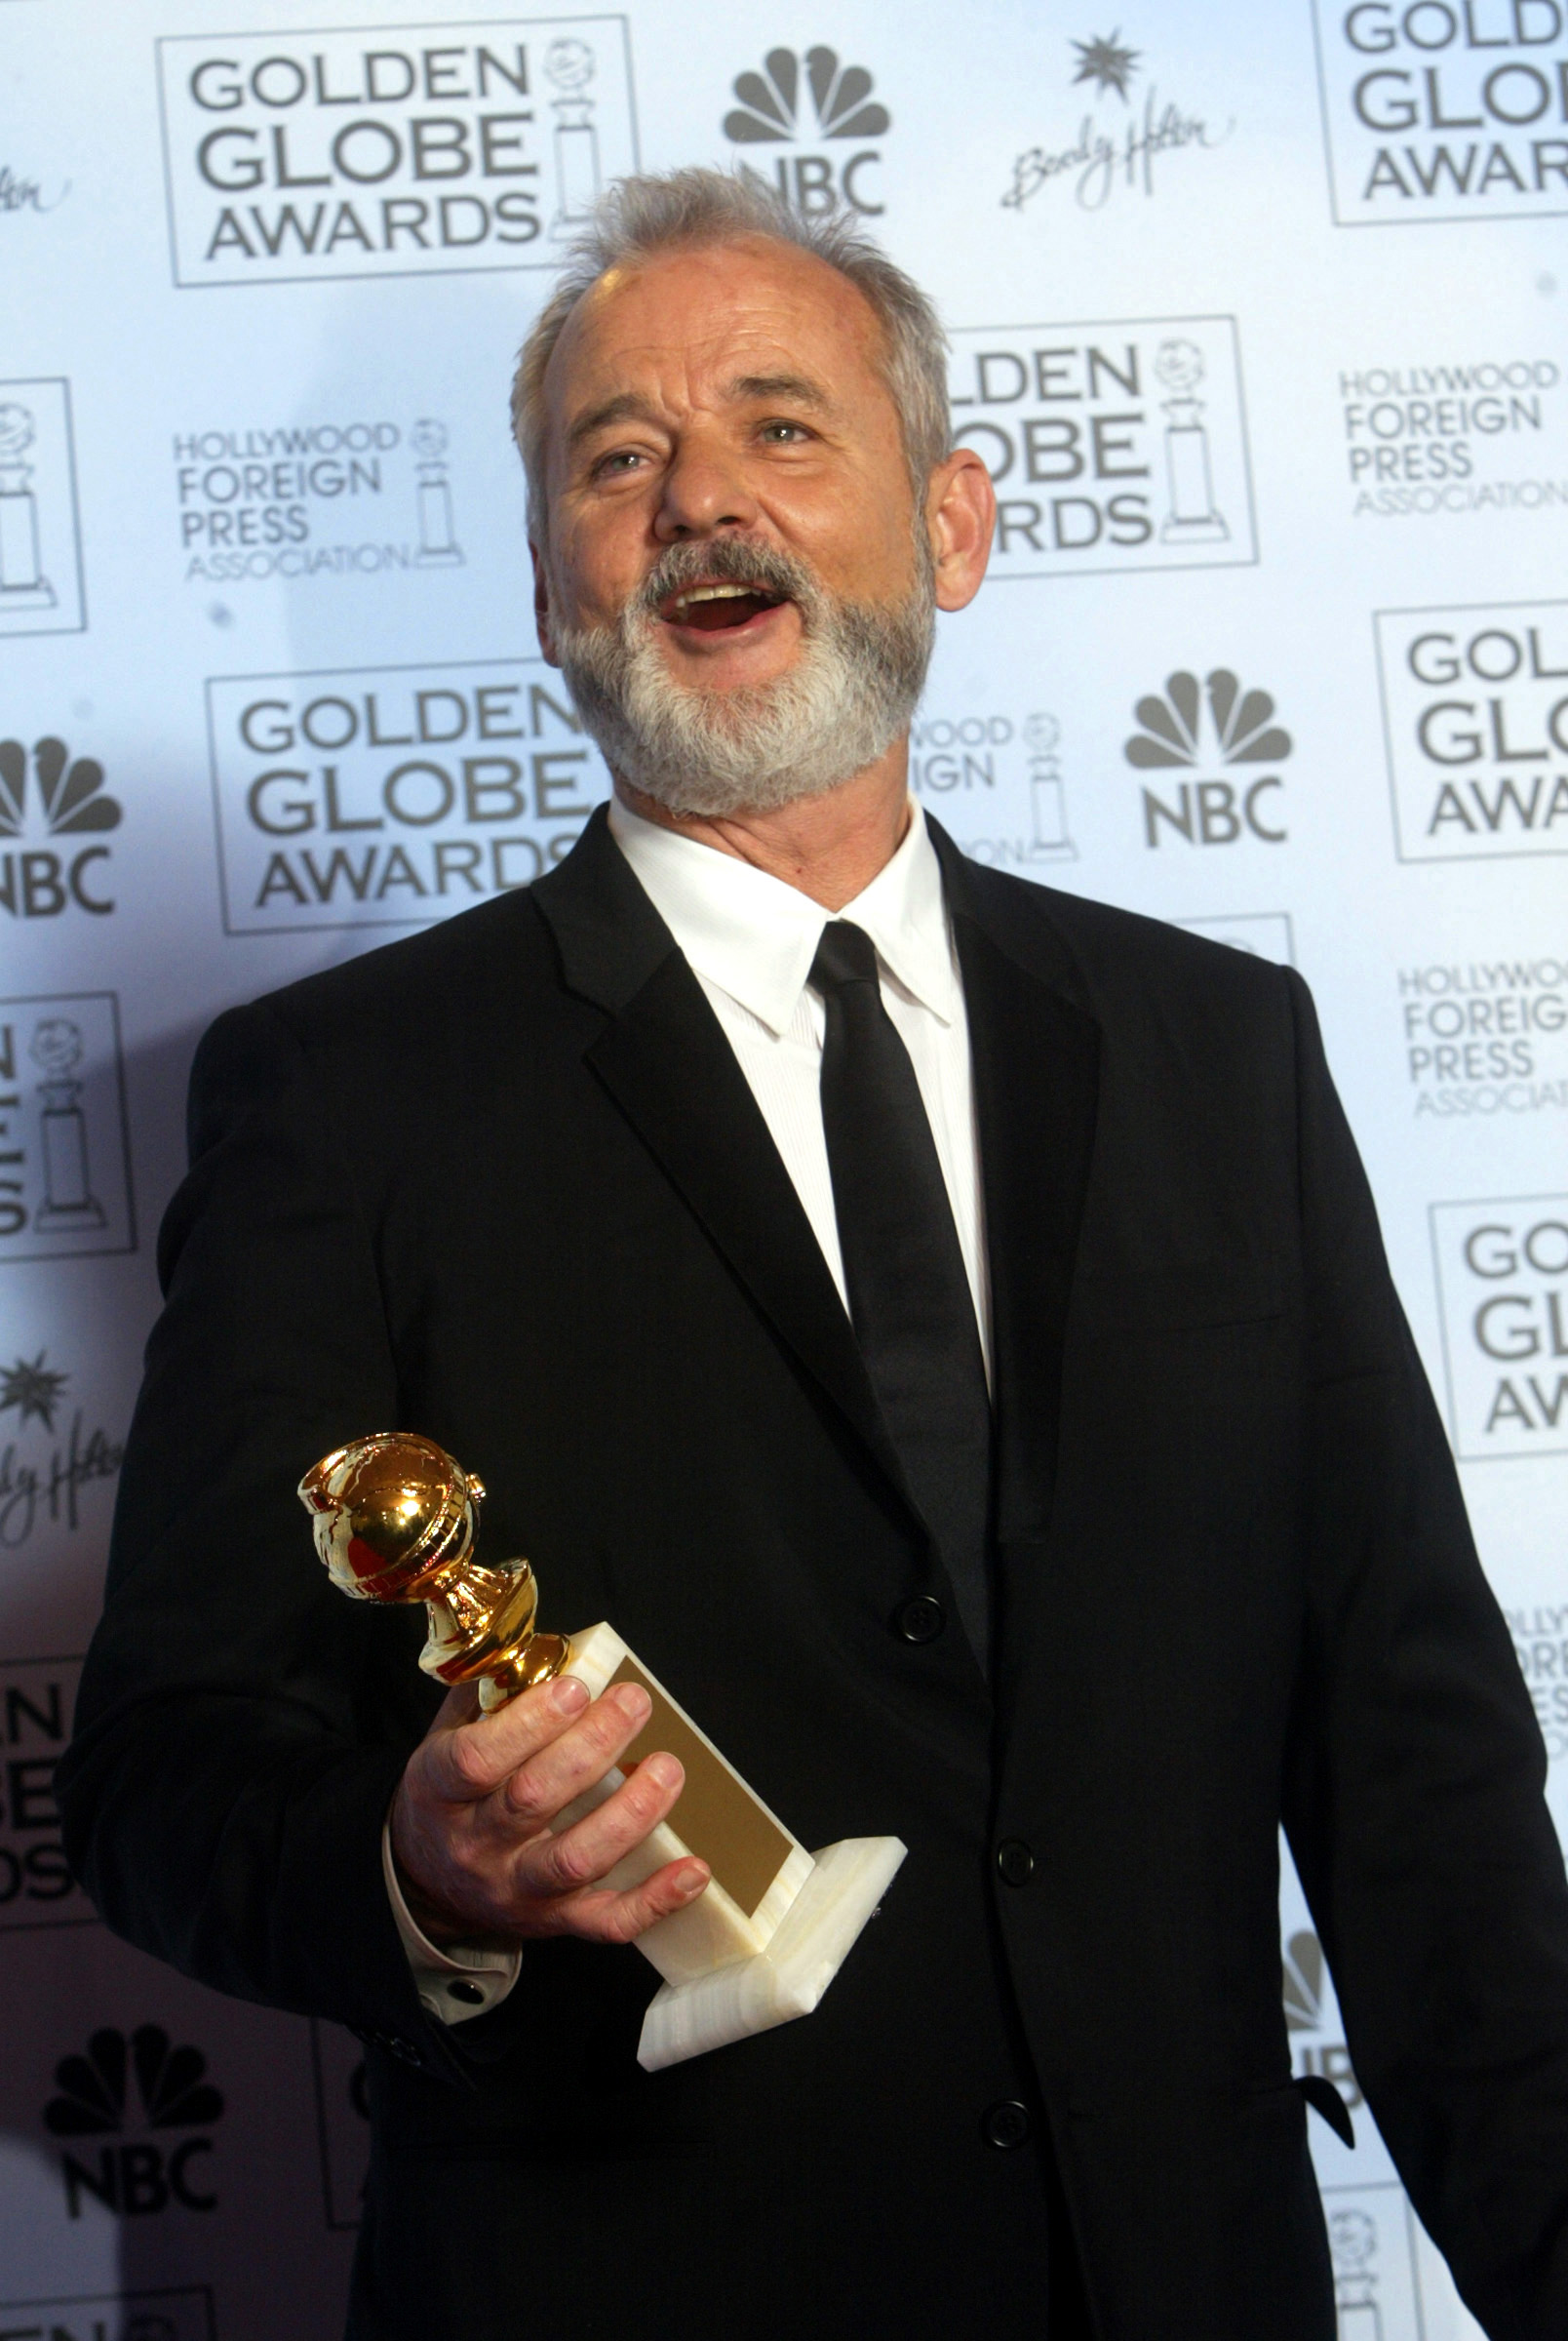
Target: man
(943, 1326)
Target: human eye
(780, 431)
(616, 462)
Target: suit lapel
(1036, 1059)
(663, 1058)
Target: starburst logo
(1107, 64)
(1171, 733)
(170, 2083)
(34, 1390)
(769, 101)
(70, 792)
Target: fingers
(587, 1851)
(578, 1758)
(599, 1916)
(467, 1756)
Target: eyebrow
(629, 406)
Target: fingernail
(692, 1882)
(568, 1695)
(634, 1703)
(662, 1771)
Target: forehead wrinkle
(627, 406)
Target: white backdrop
(1257, 317)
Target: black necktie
(909, 1296)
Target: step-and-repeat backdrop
(1258, 321)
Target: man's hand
(472, 1821)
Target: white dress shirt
(750, 940)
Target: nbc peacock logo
(136, 2175)
(842, 111)
(52, 793)
(1192, 726)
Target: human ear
(960, 519)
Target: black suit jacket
(504, 1183)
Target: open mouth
(719, 607)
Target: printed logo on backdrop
(286, 500)
(164, 2315)
(847, 169)
(1475, 719)
(19, 193)
(48, 793)
(1219, 730)
(137, 2085)
(1443, 110)
(1112, 150)
(1541, 1647)
(65, 1144)
(1112, 446)
(393, 795)
(422, 151)
(342, 2122)
(37, 1700)
(955, 764)
(1312, 2019)
(1503, 1292)
(1264, 933)
(43, 1476)
(40, 534)
(1376, 2263)
(1425, 439)
(1486, 1037)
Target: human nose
(704, 490)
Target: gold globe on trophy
(394, 1519)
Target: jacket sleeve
(241, 1728)
(1414, 1799)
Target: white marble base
(806, 1952)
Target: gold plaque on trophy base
(394, 1519)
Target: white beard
(849, 694)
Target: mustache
(727, 560)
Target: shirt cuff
(461, 1981)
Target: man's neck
(829, 847)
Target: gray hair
(664, 211)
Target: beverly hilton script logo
(65, 1147)
(411, 151)
(1444, 109)
(1191, 729)
(41, 1482)
(290, 500)
(1113, 152)
(135, 2176)
(845, 117)
(1115, 445)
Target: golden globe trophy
(394, 1519)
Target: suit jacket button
(922, 1619)
(1015, 1861)
(1005, 2126)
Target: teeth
(716, 593)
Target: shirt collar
(755, 936)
